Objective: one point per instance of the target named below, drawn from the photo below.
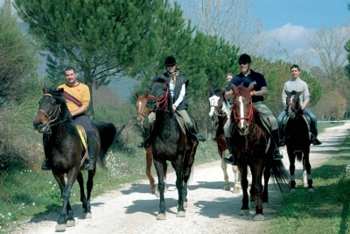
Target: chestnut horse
(64, 150)
(142, 112)
(220, 110)
(252, 148)
(170, 142)
(297, 139)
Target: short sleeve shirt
(81, 92)
(255, 77)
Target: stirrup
(89, 166)
(315, 141)
(277, 155)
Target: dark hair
(295, 66)
(70, 69)
(244, 58)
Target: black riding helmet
(170, 61)
(244, 58)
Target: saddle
(179, 119)
(83, 139)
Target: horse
(169, 142)
(251, 146)
(220, 110)
(64, 149)
(297, 139)
(142, 112)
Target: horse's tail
(107, 132)
(280, 175)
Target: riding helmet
(170, 61)
(244, 58)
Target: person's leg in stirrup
(46, 165)
(277, 154)
(90, 164)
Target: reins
(161, 101)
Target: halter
(161, 101)
(248, 118)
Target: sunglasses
(243, 63)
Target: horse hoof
(311, 190)
(88, 215)
(161, 217)
(244, 212)
(227, 187)
(60, 227)
(259, 217)
(70, 223)
(181, 214)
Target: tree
(99, 38)
(18, 60)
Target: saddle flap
(181, 122)
(83, 139)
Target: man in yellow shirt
(77, 97)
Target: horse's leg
(238, 179)
(267, 175)
(257, 187)
(308, 170)
(224, 170)
(61, 222)
(179, 167)
(291, 157)
(243, 170)
(165, 168)
(80, 180)
(161, 187)
(71, 176)
(149, 159)
(89, 186)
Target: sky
(291, 22)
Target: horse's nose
(37, 124)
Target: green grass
(324, 211)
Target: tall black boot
(90, 164)
(46, 165)
(147, 138)
(230, 159)
(277, 154)
(193, 133)
(313, 131)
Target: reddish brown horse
(251, 147)
(64, 150)
(142, 112)
(220, 110)
(297, 139)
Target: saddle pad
(83, 139)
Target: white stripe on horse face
(290, 103)
(241, 121)
(213, 104)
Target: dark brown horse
(142, 112)
(297, 139)
(252, 148)
(170, 143)
(220, 111)
(64, 150)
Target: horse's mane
(65, 114)
(293, 92)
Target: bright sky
(291, 21)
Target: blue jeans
(313, 127)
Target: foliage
(18, 58)
(347, 67)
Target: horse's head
(49, 109)
(293, 103)
(242, 108)
(216, 101)
(141, 108)
(158, 99)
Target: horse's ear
(300, 92)
(146, 94)
(286, 92)
(61, 90)
(45, 89)
(251, 86)
(210, 90)
(137, 95)
(223, 91)
(235, 90)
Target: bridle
(162, 101)
(249, 118)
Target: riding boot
(90, 164)
(314, 139)
(230, 159)
(147, 138)
(46, 165)
(277, 154)
(193, 133)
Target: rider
(247, 76)
(77, 96)
(297, 84)
(178, 91)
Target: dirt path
(132, 209)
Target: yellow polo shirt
(81, 92)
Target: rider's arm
(81, 110)
(181, 96)
(262, 92)
(306, 96)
